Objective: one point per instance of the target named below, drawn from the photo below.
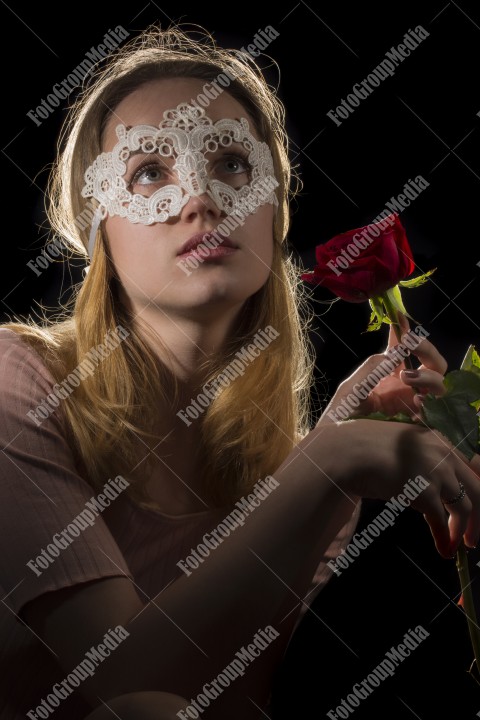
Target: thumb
(352, 393)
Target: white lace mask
(188, 154)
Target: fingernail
(411, 373)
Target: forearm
(250, 581)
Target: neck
(191, 339)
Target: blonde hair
(253, 424)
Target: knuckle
(430, 493)
(375, 360)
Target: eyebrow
(134, 153)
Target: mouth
(207, 245)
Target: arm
(315, 492)
(247, 578)
(391, 395)
(235, 582)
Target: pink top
(41, 492)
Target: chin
(214, 298)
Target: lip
(223, 246)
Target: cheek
(260, 233)
(128, 242)
(137, 256)
(119, 233)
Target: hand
(375, 459)
(396, 391)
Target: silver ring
(458, 497)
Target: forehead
(146, 105)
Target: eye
(148, 175)
(232, 165)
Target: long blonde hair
(248, 429)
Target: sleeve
(41, 491)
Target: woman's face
(146, 256)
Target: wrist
(329, 447)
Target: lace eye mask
(152, 172)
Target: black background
(422, 121)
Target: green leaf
(395, 297)
(378, 315)
(454, 414)
(463, 382)
(373, 325)
(377, 307)
(475, 358)
(416, 282)
(471, 361)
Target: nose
(200, 206)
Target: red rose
(365, 262)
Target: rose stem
(468, 604)
(462, 559)
(392, 315)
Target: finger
(451, 521)
(437, 520)
(472, 465)
(448, 524)
(459, 522)
(426, 381)
(418, 401)
(393, 338)
(464, 511)
(429, 502)
(353, 392)
(430, 357)
(469, 480)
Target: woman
(136, 585)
